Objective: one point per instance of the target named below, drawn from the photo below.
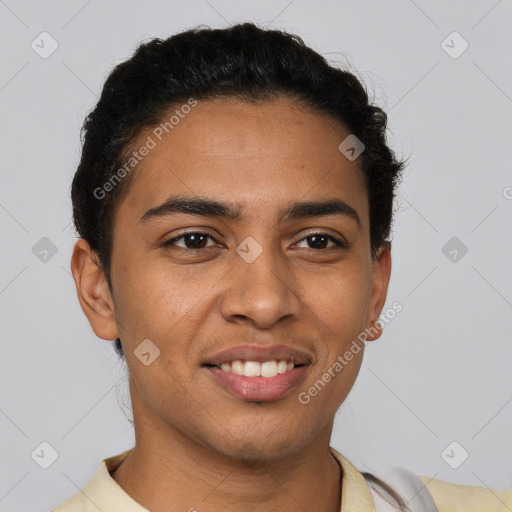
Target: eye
(196, 240)
(191, 240)
(320, 241)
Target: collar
(104, 493)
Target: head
(217, 206)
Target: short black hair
(242, 61)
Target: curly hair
(244, 62)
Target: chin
(255, 447)
(255, 435)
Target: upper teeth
(257, 369)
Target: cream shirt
(103, 493)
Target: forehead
(263, 154)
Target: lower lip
(261, 389)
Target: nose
(261, 292)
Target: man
(234, 202)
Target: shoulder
(466, 498)
(425, 493)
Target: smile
(258, 381)
(265, 369)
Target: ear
(93, 292)
(380, 282)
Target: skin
(197, 445)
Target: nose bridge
(260, 287)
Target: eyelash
(338, 243)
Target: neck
(168, 471)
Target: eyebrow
(212, 208)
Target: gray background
(441, 371)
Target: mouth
(265, 369)
(257, 373)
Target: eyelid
(192, 231)
(337, 239)
(183, 232)
(336, 244)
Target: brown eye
(193, 240)
(320, 241)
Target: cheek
(339, 305)
(153, 296)
(160, 388)
(340, 298)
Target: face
(263, 273)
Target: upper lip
(260, 353)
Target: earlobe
(93, 292)
(380, 282)
(373, 331)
